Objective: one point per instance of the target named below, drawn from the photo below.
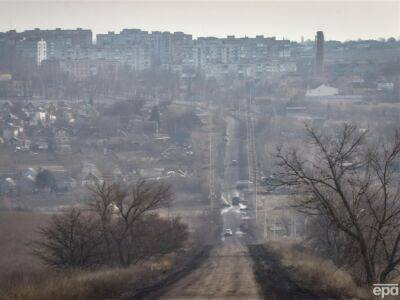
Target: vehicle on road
(234, 162)
(235, 198)
(228, 232)
(243, 207)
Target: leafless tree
(71, 239)
(355, 187)
(121, 209)
(102, 204)
(331, 243)
(119, 225)
(154, 235)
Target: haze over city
(343, 20)
(199, 150)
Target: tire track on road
(227, 274)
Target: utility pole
(211, 158)
(158, 123)
(251, 148)
(254, 154)
(248, 141)
(265, 223)
(294, 229)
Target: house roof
(322, 90)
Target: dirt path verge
(276, 280)
(145, 290)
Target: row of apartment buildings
(142, 50)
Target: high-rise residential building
(76, 37)
(319, 52)
(161, 47)
(73, 51)
(41, 51)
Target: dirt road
(227, 274)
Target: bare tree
(154, 235)
(328, 241)
(71, 239)
(353, 186)
(102, 203)
(120, 210)
(118, 226)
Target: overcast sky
(339, 20)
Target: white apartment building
(41, 51)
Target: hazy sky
(292, 19)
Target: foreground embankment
(284, 272)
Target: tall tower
(319, 52)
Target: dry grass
(17, 229)
(82, 285)
(17, 263)
(23, 277)
(318, 274)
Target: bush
(71, 239)
(117, 229)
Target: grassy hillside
(17, 229)
(17, 263)
(24, 277)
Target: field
(17, 230)
(23, 276)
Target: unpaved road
(227, 274)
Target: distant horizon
(340, 21)
(196, 37)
